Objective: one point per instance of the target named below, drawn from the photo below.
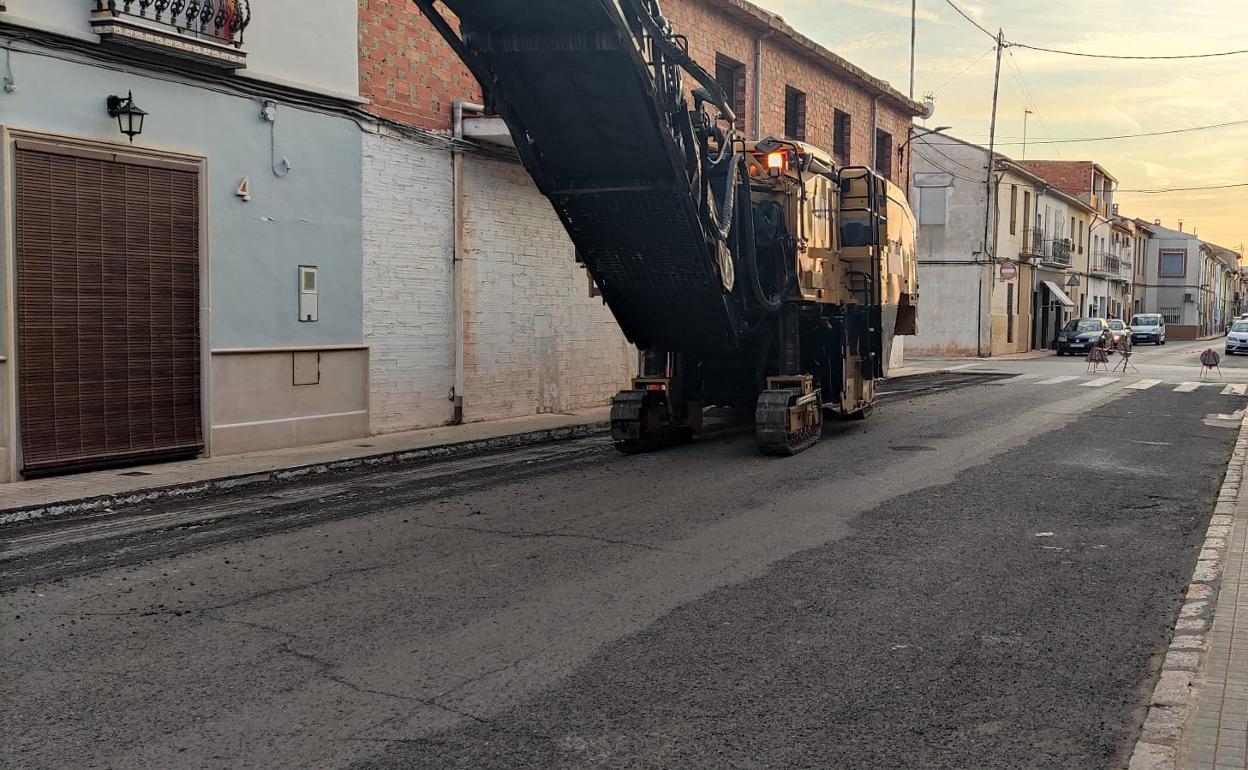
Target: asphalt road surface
(983, 574)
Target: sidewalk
(22, 501)
(1198, 714)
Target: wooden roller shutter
(107, 310)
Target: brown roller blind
(107, 310)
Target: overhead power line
(966, 16)
(1185, 189)
(964, 71)
(1075, 140)
(1115, 56)
(1088, 55)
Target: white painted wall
(535, 341)
(407, 283)
(314, 45)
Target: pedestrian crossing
(1095, 382)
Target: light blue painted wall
(312, 216)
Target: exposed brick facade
(1070, 176)
(407, 71)
(410, 75)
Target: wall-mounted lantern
(129, 116)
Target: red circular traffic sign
(1008, 271)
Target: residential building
(191, 286)
(978, 299)
(1190, 282)
(519, 331)
(1098, 254)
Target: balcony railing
(1033, 243)
(1052, 251)
(1106, 263)
(208, 31)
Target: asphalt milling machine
(750, 274)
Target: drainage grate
(134, 473)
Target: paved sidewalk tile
(1217, 736)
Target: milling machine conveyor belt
(584, 109)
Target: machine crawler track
(786, 422)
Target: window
(884, 153)
(1172, 315)
(730, 75)
(1081, 237)
(932, 202)
(840, 137)
(794, 114)
(1172, 264)
(1013, 209)
(1026, 206)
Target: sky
(1074, 97)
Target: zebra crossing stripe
(961, 367)
(1187, 387)
(1234, 390)
(1143, 384)
(1099, 383)
(1057, 380)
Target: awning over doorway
(1056, 291)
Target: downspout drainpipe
(875, 132)
(758, 85)
(457, 257)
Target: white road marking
(1102, 382)
(960, 366)
(1234, 390)
(1143, 384)
(1026, 377)
(1057, 380)
(1188, 387)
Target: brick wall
(407, 282)
(712, 32)
(407, 71)
(411, 75)
(536, 342)
(1071, 177)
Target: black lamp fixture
(129, 116)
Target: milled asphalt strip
(206, 487)
(911, 386)
(1174, 698)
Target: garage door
(107, 309)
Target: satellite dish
(929, 105)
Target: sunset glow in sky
(1075, 97)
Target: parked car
(1079, 336)
(1237, 338)
(1148, 327)
(1117, 328)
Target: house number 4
(244, 189)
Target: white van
(1148, 327)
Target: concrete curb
(1173, 702)
(193, 489)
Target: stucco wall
(309, 217)
(286, 40)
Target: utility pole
(1026, 114)
(914, 19)
(988, 199)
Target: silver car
(1237, 338)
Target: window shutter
(107, 310)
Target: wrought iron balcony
(1056, 251)
(1033, 243)
(206, 31)
(1106, 263)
